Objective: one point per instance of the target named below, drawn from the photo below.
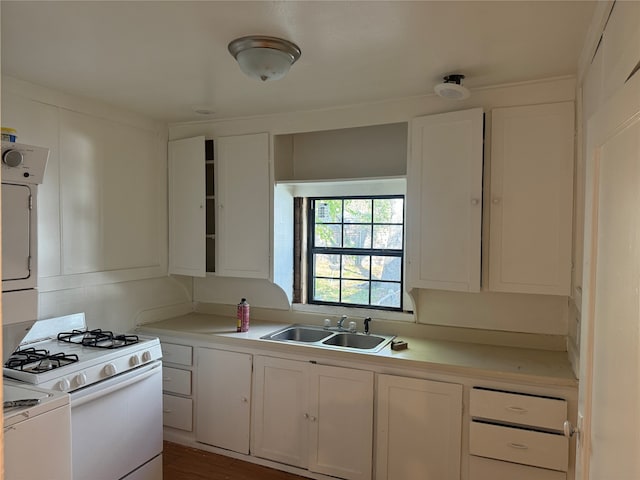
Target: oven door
(116, 426)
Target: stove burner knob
(146, 356)
(134, 361)
(81, 378)
(63, 385)
(110, 369)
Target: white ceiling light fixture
(264, 58)
(452, 88)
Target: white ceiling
(164, 58)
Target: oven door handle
(100, 390)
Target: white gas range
(79, 357)
(113, 379)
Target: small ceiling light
(264, 58)
(452, 88)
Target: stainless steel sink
(299, 334)
(355, 340)
(335, 340)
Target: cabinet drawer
(486, 469)
(180, 354)
(518, 409)
(177, 412)
(175, 380)
(517, 445)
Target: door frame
(619, 112)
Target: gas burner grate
(38, 360)
(97, 338)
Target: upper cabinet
(444, 201)
(187, 207)
(531, 199)
(243, 215)
(219, 210)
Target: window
(355, 251)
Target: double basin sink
(337, 340)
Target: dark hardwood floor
(186, 463)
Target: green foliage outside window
(356, 251)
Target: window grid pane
(356, 251)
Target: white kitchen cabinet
(243, 213)
(488, 469)
(314, 416)
(444, 201)
(419, 429)
(280, 411)
(522, 433)
(192, 208)
(177, 404)
(187, 238)
(531, 199)
(223, 399)
(177, 412)
(39, 447)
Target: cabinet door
(531, 199)
(48, 434)
(242, 232)
(419, 429)
(187, 237)
(341, 422)
(223, 395)
(280, 413)
(444, 201)
(16, 236)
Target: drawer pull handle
(519, 410)
(166, 379)
(519, 446)
(569, 430)
(166, 410)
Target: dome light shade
(452, 88)
(264, 58)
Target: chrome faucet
(341, 321)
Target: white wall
(506, 312)
(102, 206)
(376, 151)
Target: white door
(16, 229)
(244, 210)
(419, 429)
(444, 201)
(341, 422)
(609, 399)
(531, 199)
(223, 407)
(280, 411)
(187, 235)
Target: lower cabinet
(488, 469)
(419, 429)
(313, 416)
(515, 435)
(177, 404)
(223, 399)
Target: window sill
(330, 310)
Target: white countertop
(508, 363)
